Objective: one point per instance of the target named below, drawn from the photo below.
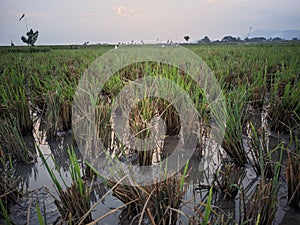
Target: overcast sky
(99, 21)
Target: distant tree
(257, 39)
(229, 39)
(11, 43)
(31, 37)
(205, 40)
(186, 38)
(295, 39)
(277, 39)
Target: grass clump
(258, 205)
(229, 178)
(9, 193)
(158, 201)
(206, 213)
(293, 180)
(293, 176)
(233, 138)
(74, 201)
(262, 205)
(12, 142)
(285, 106)
(260, 155)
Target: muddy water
(37, 185)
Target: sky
(113, 21)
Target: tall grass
(233, 138)
(161, 201)
(12, 142)
(9, 193)
(74, 201)
(206, 213)
(284, 102)
(14, 100)
(258, 205)
(260, 154)
(262, 203)
(228, 180)
(104, 129)
(293, 174)
(258, 90)
(4, 213)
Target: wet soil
(291, 217)
(38, 188)
(24, 212)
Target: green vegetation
(293, 175)
(9, 192)
(74, 200)
(31, 37)
(38, 85)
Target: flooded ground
(37, 185)
(38, 188)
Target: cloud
(58, 14)
(120, 10)
(123, 11)
(90, 14)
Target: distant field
(29, 75)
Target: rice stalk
(104, 130)
(233, 138)
(261, 156)
(228, 179)
(4, 213)
(261, 205)
(12, 142)
(284, 107)
(293, 176)
(39, 214)
(9, 192)
(74, 201)
(52, 114)
(160, 200)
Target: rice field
(257, 164)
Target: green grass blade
(184, 175)
(208, 208)
(39, 214)
(5, 214)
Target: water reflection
(35, 175)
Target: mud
(25, 212)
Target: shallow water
(37, 185)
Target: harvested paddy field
(251, 175)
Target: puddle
(37, 185)
(24, 212)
